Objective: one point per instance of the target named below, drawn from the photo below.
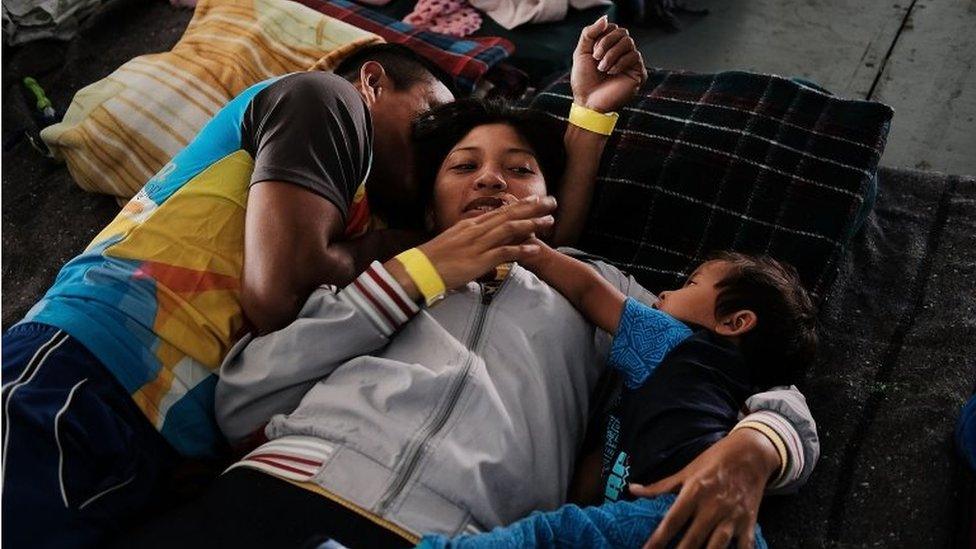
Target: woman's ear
(372, 78)
(736, 324)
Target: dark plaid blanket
(467, 59)
(731, 161)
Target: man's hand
(718, 493)
(474, 246)
(607, 68)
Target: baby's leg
(619, 524)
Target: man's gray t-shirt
(310, 129)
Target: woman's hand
(718, 493)
(474, 246)
(608, 70)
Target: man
(231, 236)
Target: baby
(738, 325)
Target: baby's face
(695, 301)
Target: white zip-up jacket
(457, 418)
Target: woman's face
(490, 167)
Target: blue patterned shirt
(644, 337)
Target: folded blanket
(467, 60)
(732, 161)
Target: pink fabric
(452, 17)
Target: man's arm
(608, 70)
(291, 246)
(287, 233)
(310, 137)
(718, 493)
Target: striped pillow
(121, 130)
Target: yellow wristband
(423, 274)
(588, 119)
(773, 437)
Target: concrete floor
(915, 56)
(919, 56)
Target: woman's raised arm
(608, 70)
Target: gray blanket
(897, 362)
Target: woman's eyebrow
(507, 151)
(476, 151)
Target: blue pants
(619, 524)
(79, 458)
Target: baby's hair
(783, 343)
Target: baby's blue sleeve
(644, 337)
(618, 524)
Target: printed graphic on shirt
(617, 479)
(156, 295)
(611, 441)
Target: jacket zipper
(412, 458)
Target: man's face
(694, 302)
(393, 112)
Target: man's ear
(372, 81)
(737, 323)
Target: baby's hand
(599, 301)
(537, 262)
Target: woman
(388, 420)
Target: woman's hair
(439, 130)
(782, 345)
